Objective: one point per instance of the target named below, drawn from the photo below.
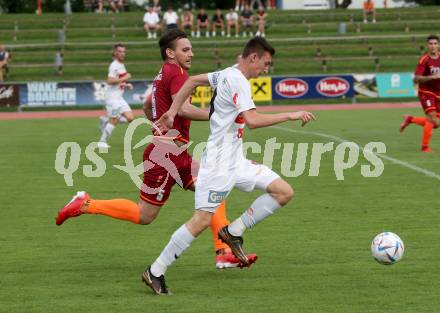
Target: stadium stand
(392, 44)
(92, 5)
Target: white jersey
(232, 16)
(115, 70)
(223, 165)
(151, 18)
(232, 96)
(170, 18)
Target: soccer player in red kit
(427, 75)
(162, 173)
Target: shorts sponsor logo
(332, 87)
(216, 196)
(291, 88)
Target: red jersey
(168, 82)
(429, 66)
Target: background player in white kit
(223, 165)
(118, 110)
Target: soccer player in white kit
(223, 165)
(118, 110)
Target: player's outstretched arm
(166, 121)
(146, 107)
(192, 112)
(423, 79)
(253, 119)
(115, 81)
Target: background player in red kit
(427, 75)
(176, 51)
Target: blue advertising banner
(71, 94)
(312, 87)
(392, 85)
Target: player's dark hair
(430, 37)
(257, 45)
(116, 46)
(168, 41)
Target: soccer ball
(387, 248)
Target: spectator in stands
(4, 59)
(117, 5)
(271, 4)
(157, 7)
(202, 22)
(261, 21)
(156, 4)
(239, 5)
(151, 22)
(39, 9)
(218, 22)
(99, 6)
(170, 18)
(59, 62)
(231, 21)
(157, 10)
(247, 21)
(187, 20)
(252, 3)
(260, 3)
(369, 10)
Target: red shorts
(158, 181)
(430, 102)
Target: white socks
(262, 207)
(237, 227)
(179, 242)
(108, 129)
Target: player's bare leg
(279, 193)
(107, 131)
(128, 116)
(142, 213)
(181, 239)
(224, 258)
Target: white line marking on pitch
(388, 158)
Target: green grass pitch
(314, 253)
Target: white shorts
(211, 190)
(116, 106)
